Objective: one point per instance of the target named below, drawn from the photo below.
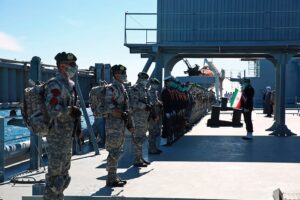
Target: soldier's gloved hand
(75, 112)
(148, 107)
(124, 116)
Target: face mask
(143, 82)
(124, 78)
(71, 71)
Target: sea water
(16, 134)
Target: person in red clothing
(247, 107)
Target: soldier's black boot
(120, 180)
(114, 181)
(157, 151)
(139, 162)
(145, 161)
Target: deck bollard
(224, 102)
(1, 149)
(214, 121)
(236, 118)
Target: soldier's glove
(75, 112)
(124, 116)
(148, 107)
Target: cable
(26, 177)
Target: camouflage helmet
(65, 57)
(154, 81)
(118, 68)
(143, 75)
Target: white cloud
(9, 43)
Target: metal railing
(145, 31)
(207, 28)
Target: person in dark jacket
(167, 98)
(247, 107)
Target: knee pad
(67, 181)
(56, 184)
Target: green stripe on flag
(233, 96)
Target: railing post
(99, 72)
(35, 141)
(85, 114)
(1, 149)
(107, 73)
(100, 121)
(125, 29)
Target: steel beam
(148, 64)
(2, 149)
(281, 128)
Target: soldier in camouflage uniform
(116, 121)
(60, 103)
(155, 118)
(140, 107)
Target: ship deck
(206, 163)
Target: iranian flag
(235, 101)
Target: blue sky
(93, 30)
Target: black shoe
(116, 183)
(145, 161)
(140, 164)
(168, 144)
(246, 138)
(158, 151)
(120, 180)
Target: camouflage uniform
(115, 128)
(59, 94)
(155, 119)
(139, 104)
